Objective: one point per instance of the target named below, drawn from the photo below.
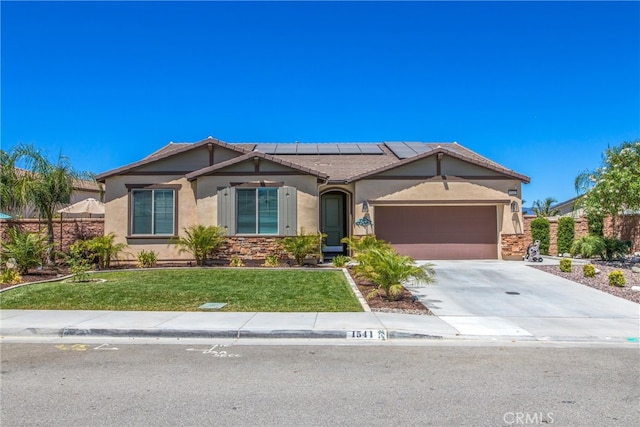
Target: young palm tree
(543, 208)
(200, 241)
(389, 271)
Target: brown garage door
(439, 232)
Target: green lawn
(186, 289)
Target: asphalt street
(88, 383)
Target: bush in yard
(271, 261)
(616, 278)
(588, 246)
(388, 270)
(25, 248)
(147, 259)
(360, 244)
(340, 261)
(588, 270)
(614, 248)
(540, 231)
(236, 261)
(303, 245)
(10, 276)
(566, 233)
(200, 241)
(565, 265)
(105, 249)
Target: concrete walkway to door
(511, 298)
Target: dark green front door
(333, 219)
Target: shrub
(271, 261)
(79, 269)
(26, 249)
(614, 248)
(200, 241)
(359, 244)
(565, 265)
(566, 233)
(340, 261)
(10, 276)
(616, 278)
(588, 246)
(236, 261)
(388, 270)
(540, 231)
(588, 270)
(303, 245)
(147, 259)
(98, 251)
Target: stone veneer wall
(65, 231)
(249, 248)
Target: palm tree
(47, 185)
(12, 182)
(200, 241)
(543, 208)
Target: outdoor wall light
(365, 207)
(514, 206)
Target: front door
(333, 220)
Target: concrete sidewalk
(25, 323)
(378, 326)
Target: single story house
(429, 200)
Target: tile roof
(336, 168)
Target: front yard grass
(187, 289)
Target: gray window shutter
(227, 210)
(288, 211)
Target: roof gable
(453, 150)
(168, 151)
(219, 167)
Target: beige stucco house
(429, 200)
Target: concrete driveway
(510, 298)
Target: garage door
(439, 232)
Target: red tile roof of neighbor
(333, 167)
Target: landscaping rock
(635, 269)
(635, 288)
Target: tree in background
(615, 187)
(47, 185)
(542, 208)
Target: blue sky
(540, 87)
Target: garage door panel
(439, 232)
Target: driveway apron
(511, 298)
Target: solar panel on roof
(286, 149)
(369, 149)
(349, 149)
(400, 149)
(328, 149)
(266, 148)
(307, 148)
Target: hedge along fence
(66, 231)
(566, 234)
(540, 230)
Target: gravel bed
(601, 281)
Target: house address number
(368, 334)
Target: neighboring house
(429, 200)
(569, 208)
